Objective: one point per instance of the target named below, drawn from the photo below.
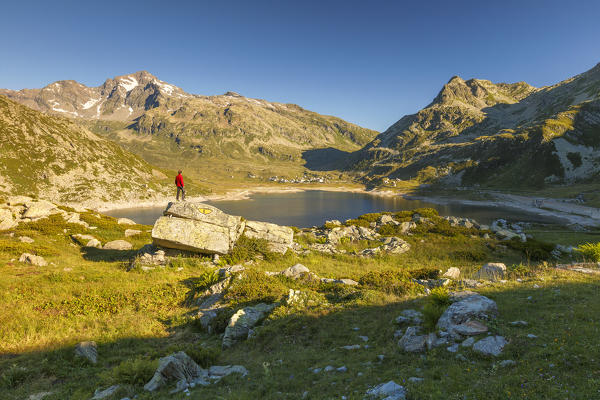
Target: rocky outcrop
(279, 238)
(491, 272)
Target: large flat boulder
(191, 235)
(280, 238)
(39, 209)
(197, 227)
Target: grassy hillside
(137, 317)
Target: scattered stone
(536, 286)
(328, 368)
(94, 243)
(491, 345)
(126, 221)
(411, 342)
(388, 391)
(351, 347)
(453, 348)
(295, 271)
(87, 350)
(492, 272)
(117, 245)
(452, 273)
(410, 316)
(223, 272)
(7, 219)
(342, 369)
(460, 357)
(132, 232)
(414, 379)
(242, 321)
(531, 336)
(39, 396)
(468, 342)
(381, 357)
(26, 239)
(102, 394)
(364, 338)
(32, 259)
(215, 373)
(519, 323)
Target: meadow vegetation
(138, 316)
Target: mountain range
(494, 134)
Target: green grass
(136, 317)
(590, 251)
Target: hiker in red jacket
(179, 183)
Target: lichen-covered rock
(280, 238)
(7, 220)
(192, 235)
(452, 273)
(243, 321)
(412, 342)
(469, 308)
(295, 271)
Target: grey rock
(117, 245)
(412, 342)
(94, 243)
(531, 336)
(364, 338)
(452, 273)
(453, 348)
(388, 391)
(87, 350)
(414, 379)
(492, 272)
(102, 394)
(468, 342)
(216, 372)
(39, 209)
(279, 238)
(491, 345)
(470, 328)
(342, 369)
(126, 221)
(177, 368)
(32, 259)
(242, 321)
(223, 272)
(328, 368)
(469, 308)
(26, 239)
(295, 271)
(519, 323)
(39, 395)
(132, 232)
(351, 347)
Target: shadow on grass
(282, 356)
(326, 159)
(94, 254)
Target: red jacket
(179, 180)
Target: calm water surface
(314, 207)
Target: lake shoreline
(552, 208)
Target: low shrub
(476, 255)
(137, 371)
(590, 251)
(435, 305)
(13, 376)
(253, 286)
(532, 249)
(392, 282)
(247, 249)
(425, 273)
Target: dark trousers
(182, 190)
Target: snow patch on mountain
(128, 83)
(90, 103)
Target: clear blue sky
(369, 62)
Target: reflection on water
(305, 209)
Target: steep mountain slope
(230, 125)
(501, 135)
(53, 158)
